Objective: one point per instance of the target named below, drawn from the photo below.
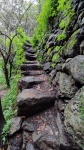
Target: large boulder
(74, 119)
(66, 85)
(76, 68)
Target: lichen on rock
(73, 121)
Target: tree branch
(5, 35)
(24, 13)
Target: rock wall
(63, 60)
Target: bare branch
(2, 54)
(3, 48)
(5, 35)
(24, 13)
(4, 21)
(14, 36)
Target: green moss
(55, 57)
(61, 36)
(57, 48)
(49, 50)
(66, 14)
(53, 65)
(64, 23)
(71, 42)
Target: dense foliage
(50, 10)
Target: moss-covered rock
(66, 85)
(55, 57)
(73, 121)
(71, 48)
(75, 67)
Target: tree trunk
(6, 76)
(10, 69)
(2, 122)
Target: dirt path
(2, 91)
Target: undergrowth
(9, 100)
(9, 104)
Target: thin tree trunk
(11, 65)
(6, 76)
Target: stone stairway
(38, 125)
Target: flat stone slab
(30, 54)
(29, 82)
(30, 58)
(31, 101)
(31, 62)
(28, 44)
(31, 67)
(27, 126)
(30, 50)
(32, 73)
(15, 125)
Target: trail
(38, 125)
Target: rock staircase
(38, 125)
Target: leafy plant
(64, 8)
(61, 36)
(9, 105)
(13, 54)
(48, 11)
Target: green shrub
(48, 10)
(9, 105)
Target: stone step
(30, 50)
(29, 82)
(25, 67)
(31, 62)
(32, 73)
(30, 58)
(28, 44)
(27, 49)
(32, 101)
(29, 54)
